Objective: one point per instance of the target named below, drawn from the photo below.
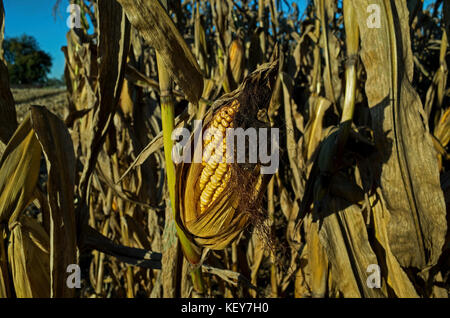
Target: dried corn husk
(225, 218)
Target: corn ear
(210, 206)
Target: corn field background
(363, 177)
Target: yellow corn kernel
(220, 189)
(225, 123)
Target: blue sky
(35, 17)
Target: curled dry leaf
(156, 27)
(57, 146)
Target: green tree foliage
(27, 64)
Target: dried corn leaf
(155, 144)
(156, 27)
(292, 150)
(8, 121)
(396, 278)
(237, 55)
(201, 47)
(435, 94)
(301, 289)
(59, 154)
(19, 172)
(4, 273)
(442, 130)
(314, 131)
(330, 71)
(229, 276)
(113, 47)
(255, 254)
(29, 259)
(408, 164)
(186, 280)
(446, 11)
(317, 261)
(81, 67)
(344, 237)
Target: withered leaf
(156, 27)
(408, 165)
(8, 121)
(113, 47)
(60, 157)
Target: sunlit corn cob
(216, 175)
(216, 197)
